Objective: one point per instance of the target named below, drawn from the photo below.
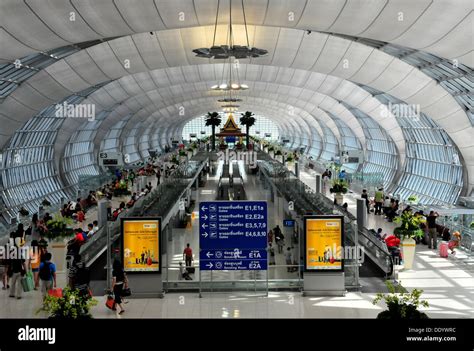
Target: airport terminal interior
(237, 158)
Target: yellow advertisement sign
(324, 244)
(141, 245)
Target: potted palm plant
(400, 303)
(247, 120)
(339, 188)
(213, 119)
(408, 230)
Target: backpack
(45, 271)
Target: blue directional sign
(233, 235)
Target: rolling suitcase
(443, 249)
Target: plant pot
(408, 247)
(272, 154)
(339, 198)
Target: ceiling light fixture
(230, 50)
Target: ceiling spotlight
(230, 86)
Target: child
(454, 242)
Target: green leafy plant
(409, 225)
(72, 305)
(271, 148)
(412, 199)
(339, 186)
(182, 153)
(471, 225)
(59, 227)
(290, 157)
(400, 303)
(278, 153)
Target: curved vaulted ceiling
(149, 72)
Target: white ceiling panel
(373, 67)
(106, 60)
(49, 87)
(457, 42)
(428, 95)
(459, 128)
(160, 78)
(127, 53)
(144, 81)
(284, 12)
(140, 15)
(442, 108)
(33, 32)
(395, 72)
(174, 52)
(320, 14)
(150, 50)
(356, 16)
(56, 14)
(440, 18)
(103, 17)
(354, 58)
(412, 84)
(395, 18)
(66, 76)
(31, 97)
(265, 38)
(177, 13)
(333, 51)
(83, 65)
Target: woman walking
(119, 282)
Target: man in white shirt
(96, 226)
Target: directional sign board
(233, 235)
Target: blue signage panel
(288, 222)
(233, 235)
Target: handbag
(126, 292)
(25, 284)
(110, 302)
